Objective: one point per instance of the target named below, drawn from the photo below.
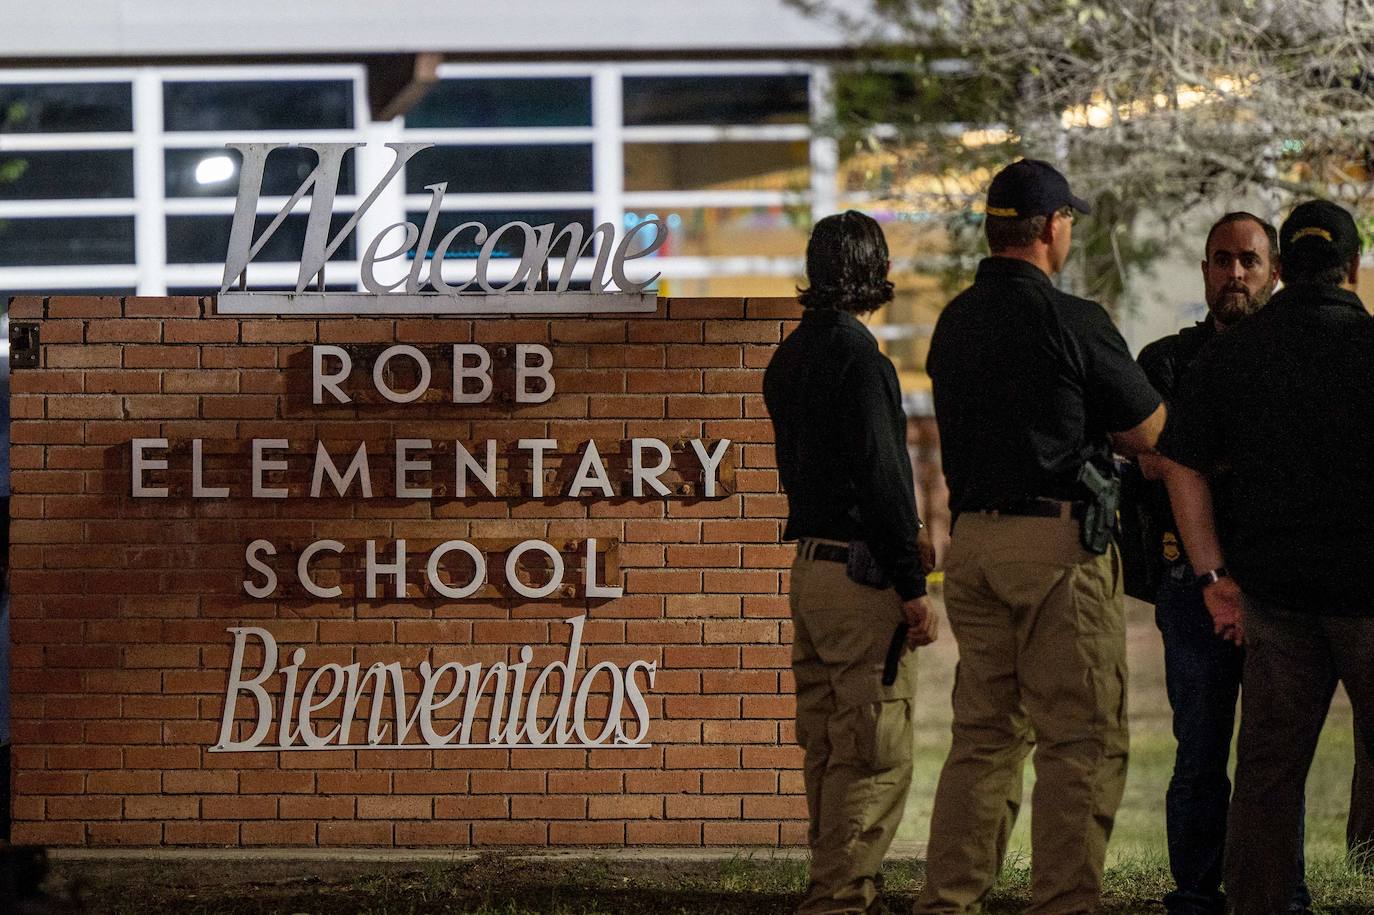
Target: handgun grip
(894, 654)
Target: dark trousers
(1359, 829)
(1203, 675)
(1292, 664)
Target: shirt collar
(997, 266)
(1306, 295)
(823, 316)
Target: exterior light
(214, 169)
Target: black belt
(825, 552)
(1036, 507)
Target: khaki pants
(857, 733)
(1042, 663)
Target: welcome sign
(428, 255)
(360, 576)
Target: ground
(761, 881)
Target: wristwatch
(1212, 576)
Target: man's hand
(1223, 601)
(925, 545)
(923, 625)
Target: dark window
(510, 244)
(205, 239)
(494, 169)
(716, 100)
(191, 172)
(717, 166)
(76, 175)
(66, 240)
(258, 105)
(66, 107)
(509, 102)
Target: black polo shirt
(1028, 382)
(1284, 402)
(840, 436)
(1165, 362)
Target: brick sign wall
(123, 607)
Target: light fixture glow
(214, 169)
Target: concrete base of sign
(900, 850)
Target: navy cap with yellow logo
(1323, 227)
(1031, 187)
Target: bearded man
(1202, 670)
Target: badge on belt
(1170, 544)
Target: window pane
(205, 239)
(204, 173)
(258, 105)
(716, 100)
(495, 169)
(66, 240)
(66, 107)
(710, 231)
(717, 166)
(512, 102)
(80, 175)
(510, 244)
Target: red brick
(652, 832)
(278, 833)
(517, 832)
(396, 807)
(200, 330)
(701, 807)
(201, 833)
(160, 357)
(739, 834)
(25, 307)
(161, 808)
(124, 331)
(162, 307)
(701, 309)
(85, 306)
(127, 833)
(343, 833)
(549, 807)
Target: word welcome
(417, 243)
(332, 695)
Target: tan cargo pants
(1042, 663)
(857, 733)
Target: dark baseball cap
(1030, 187)
(1320, 226)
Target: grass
(761, 882)
(507, 884)
(1139, 830)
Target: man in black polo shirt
(1284, 403)
(840, 437)
(1032, 388)
(1202, 672)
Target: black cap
(1321, 227)
(1030, 187)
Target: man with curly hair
(859, 575)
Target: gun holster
(1099, 517)
(863, 569)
